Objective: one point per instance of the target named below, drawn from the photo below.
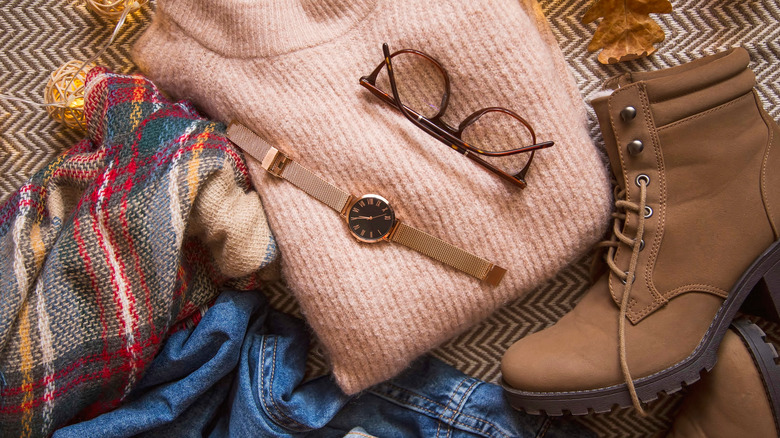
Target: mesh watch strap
(280, 165)
(315, 186)
(447, 253)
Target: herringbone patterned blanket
(36, 37)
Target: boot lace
(622, 208)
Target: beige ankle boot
(739, 397)
(697, 164)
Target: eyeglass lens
(420, 83)
(422, 88)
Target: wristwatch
(370, 218)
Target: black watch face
(370, 218)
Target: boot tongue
(601, 107)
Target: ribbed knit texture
(119, 241)
(289, 70)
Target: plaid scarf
(110, 247)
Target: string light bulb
(114, 9)
(64, 93)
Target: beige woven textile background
(38, 36)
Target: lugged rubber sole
(763, 277)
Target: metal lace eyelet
(642, 177)
(648, 211)
(624, 280)
(642, 244)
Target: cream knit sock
(289, 70)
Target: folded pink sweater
(289, 70)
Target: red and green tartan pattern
(96, 265)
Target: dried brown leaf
(626, 31)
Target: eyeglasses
(488, 136)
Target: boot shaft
(709, 155)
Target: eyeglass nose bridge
(441, 124)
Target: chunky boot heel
(740, 396)
(765, 358)
(764, 300)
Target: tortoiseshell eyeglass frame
(445, 133)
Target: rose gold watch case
(386, 235)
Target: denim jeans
(240, 373)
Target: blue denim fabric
(239, 373)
